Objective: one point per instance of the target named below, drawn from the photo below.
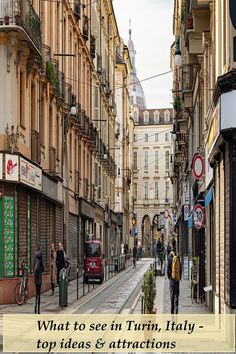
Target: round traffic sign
(198, 216)
(198, 166)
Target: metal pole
(77, 281)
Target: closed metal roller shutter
(43, 231)
(222, 234)
(34, 223)
(227, 225)
(72, 251)
(58, 225)
(232, 218)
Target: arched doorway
(155, 231)
(146, 236)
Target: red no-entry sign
(198, 166)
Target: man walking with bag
(174, 272)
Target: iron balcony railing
(20, 13)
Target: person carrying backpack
(174, 272)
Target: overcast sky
(151, 22)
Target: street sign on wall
(198, 166)
(198, 216)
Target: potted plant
(177, 104)
(149, 291)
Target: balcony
(19, 16)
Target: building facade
(124, 146)
(204, 91)
(152, 188)
(57, 132)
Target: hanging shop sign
(186, 212)
(198, 216)
(198, 166)
(30, 174)
(1, 174)
(186, 193)
(214, 130)
(12, 167)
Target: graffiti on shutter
(22, 225)
(1, 259)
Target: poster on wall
(186, 274)
(30, 174)
(0, 166)
(12, 167)
(9, 237)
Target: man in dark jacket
(135, 250)
(60, 260)
(174, 284)
(38, 270)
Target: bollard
(93, 276)
(83, 282)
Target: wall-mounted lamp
(73, 106)
(178, 58)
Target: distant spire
(130, 31)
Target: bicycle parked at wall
(21, 293)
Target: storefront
(87, 216)
(221, 144)
(27, 216)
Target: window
(167, 158)
(146, 190)
(156, 137)
(167, 137)
(146, 138)
(145, 160)
(96, 103)
(167, 116)
(135, 160)
(22, 98)
(58, 137)
(156, 190)
(156, 160)
(135, 137)
(136, 116)
(146, 117)
(156, 117)
(135, 190)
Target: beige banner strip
(119, 333)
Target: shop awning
(209, 197)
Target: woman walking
(38, 270)
(53, 267)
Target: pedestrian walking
(38, 270)
(53, 267)
(60, 260)
(135, 251)
(174, 272)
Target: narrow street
(118, 295)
